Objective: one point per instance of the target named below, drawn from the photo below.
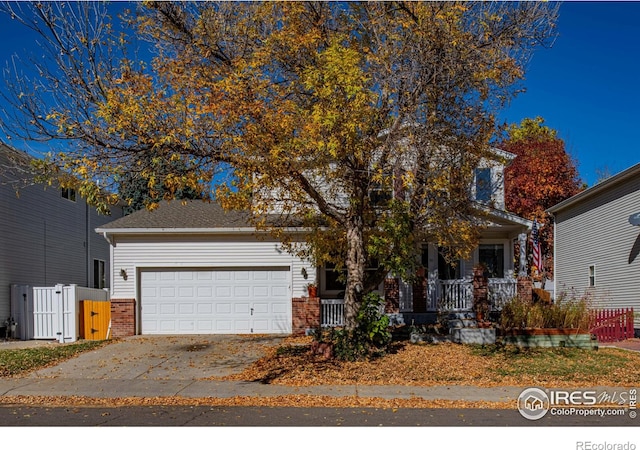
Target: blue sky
(585, 86)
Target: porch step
(480, 336)
(461, 319)
(462, 315)
(462, 323)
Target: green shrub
(370, 338)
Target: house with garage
(597, 243)
(189, 267)
(47, 233)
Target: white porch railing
(442, 295)
(501, 290)
(452, 295)
(457, 295)
(332, 312)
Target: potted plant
(312, 289)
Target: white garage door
(225, 301)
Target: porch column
(480, 292)
(305, 314)
(522, 241)
(392, 295)
(420, 292)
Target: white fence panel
(56, 310)
(45, 312)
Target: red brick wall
(525, 288)
(305, 314)
(123, 317)
(420, 294)
(480, 288)
(392, 295)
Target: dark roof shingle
(184, 215)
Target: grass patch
(613, 365)
(20, 361)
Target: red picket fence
(612, 325)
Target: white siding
(133, 252)
(597, 232)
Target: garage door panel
(216, 301)
(242, 326)
(221, 275)
(242, 308)
(223, 292)
(241, 275)
(279, 291)
(168, 308)
(202, 275)
(261, 291)
(260, 308)
(279, 308)
(260, 276)
(223, 308)
(169, 292)
(241, 292)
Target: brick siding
(392, 295)
(123, 317)
(305, 314)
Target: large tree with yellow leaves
(359, 122)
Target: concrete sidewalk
(117, 388)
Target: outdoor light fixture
(123, 274)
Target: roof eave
(221, 230)
(594, 190)
(506, 215)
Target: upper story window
(68, 193)
(484, 186)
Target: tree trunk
(356, 263)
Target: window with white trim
(592, 275)
(98, 274)
(484, 185)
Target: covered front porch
(442, 286)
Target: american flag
(535, 244)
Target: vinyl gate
(53, 312)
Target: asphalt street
(208, 416)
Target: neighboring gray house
(46, 233)
(597, 249)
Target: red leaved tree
(542, 175)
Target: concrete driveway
(190, 357)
